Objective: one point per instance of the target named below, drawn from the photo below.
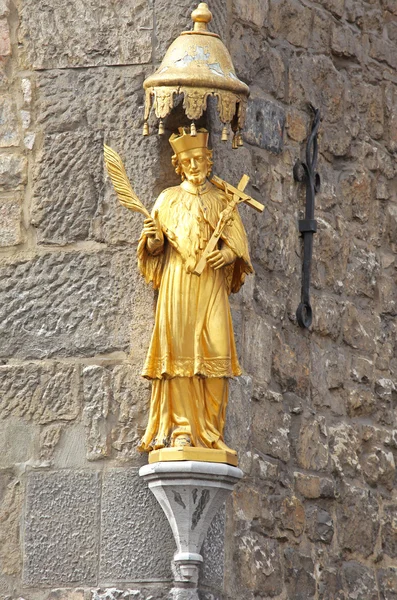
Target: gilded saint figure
(192, 352)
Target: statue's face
(194, 164)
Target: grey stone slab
(136, 540)
(80, 33)
(61, 528)
(66, 304)
(264, 126)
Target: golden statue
(193, 248)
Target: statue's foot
(182, 440)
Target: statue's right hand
(154, 235)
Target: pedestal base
(190, 493)
(191, 453)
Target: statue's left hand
(221, 258)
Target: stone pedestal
(190, 493)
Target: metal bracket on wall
(306, 173)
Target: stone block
(299, 575)
(311, 486)
(61, 528)
(68, 177)
(362, 272)
(291, 363)
(330, 586)
(264, 126)
(271, 438)
(356, 188)
(336, 7)
(296, 125)
(247, 49)
(327, 316)
(388, 583)
(73, 304)
(17, 442)
(115, 411)
(49, 439)
(39, 393)
(271, 77)
(345, 43)
(320, 39)
(136, 540)
(275, 243)
(108, 99)
(387, 295)
(13, 171)
(330, 256)
(383, 51)
(257, 347)
(4, 8)
(254, 12)
(369, 104)
(312, 445)
(344, 446)
(66, 594)
(9, 133)
(290, 20)
(239, 414)
(114, 593)
(379, 467)
(359, 581)
(78, 34)
(69, 452)
(391, 114)
(389, 530)
(360, 328)
(10, 222)
(5, 41)
(357, 520)
(292, 516)
(314, 79)
(247, 577)
(11, 501)
(361, 402)
(320, 526)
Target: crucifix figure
(193, 249)
(192, 351)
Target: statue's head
(192, 159)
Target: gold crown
(183, 141)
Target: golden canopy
(198, 65)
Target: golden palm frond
(121, 183)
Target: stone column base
(190, 493)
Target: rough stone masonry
(313, 417)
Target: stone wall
(314, 416)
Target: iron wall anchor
(306, 172)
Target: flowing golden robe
(192, 350)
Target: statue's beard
(198, 179)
